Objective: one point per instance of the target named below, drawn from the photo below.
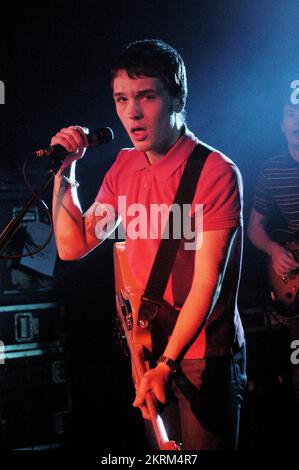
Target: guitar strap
(152, 298)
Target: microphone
(100, 136)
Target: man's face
(290, 124)
(146, 110)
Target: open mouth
(138, 132)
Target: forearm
(210, 267)
(67, 217)
(193, 315)
(258, 236)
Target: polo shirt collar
(177, 155)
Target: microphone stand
(15, 222)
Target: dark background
(240, 57)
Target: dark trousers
(203, 409)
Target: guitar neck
(136, 352)
(139, 341)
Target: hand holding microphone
(70, 143)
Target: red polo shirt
(142, 185)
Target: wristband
(73, 184)
(173, 365)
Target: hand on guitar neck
(156, 380)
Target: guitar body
(139, 340)
(284, 290)
(128, 295)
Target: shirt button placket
(146, 180)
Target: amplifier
(27, 323)
(34, 395)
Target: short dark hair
(154, 58)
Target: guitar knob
(143, 323)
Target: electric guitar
(138, 339)
(284, 290)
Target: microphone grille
(103, 135)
